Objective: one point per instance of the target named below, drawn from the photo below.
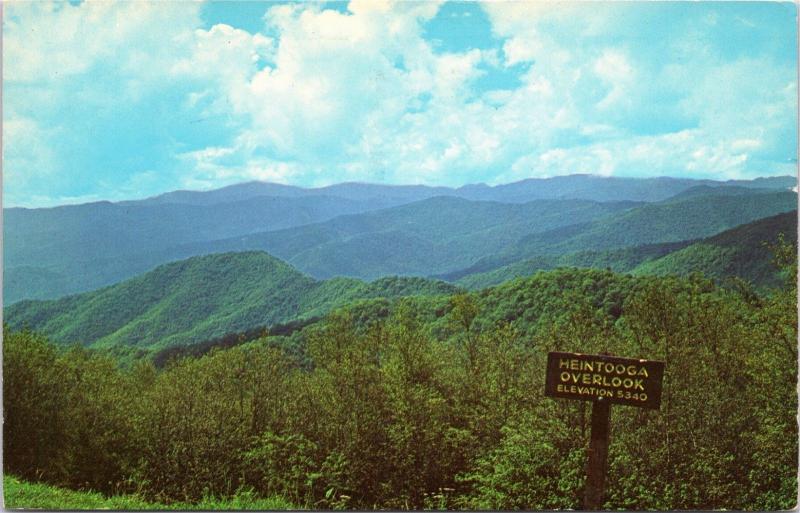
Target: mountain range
(577, 186)
(201, 298)
(368, 230)
(743, 251)
(673, 220)
(140, 277)
(207, 297)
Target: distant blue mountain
(672, 220)
(355, 229)
(578, 186)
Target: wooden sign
(604, 379)
(628, 381)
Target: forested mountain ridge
(669, 221)
(744, 252)
(710, 190)
(451, 237)
(102, 244)
(618, 260)
(200, 298)
(56, 251)
(421, 238)
(599, 188)
(387, 195)
(434, 402)
(206, 297)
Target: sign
(628, 381)
(604, 380)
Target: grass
(24, 495)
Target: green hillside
(617, 260)
(669, 221)
(743, 251)
(712, 190)
(51, 252)
(200, 298)
(427, 403)
(207, 297)
(653, 223)
(432, 236)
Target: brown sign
(628, 381)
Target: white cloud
(66, 67)
(25, 147)
(362, 95)
(337, 96)
(614, 68)
(53, 41)
(669, 154)
(217, 166)
(224, 54)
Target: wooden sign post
(604, 380)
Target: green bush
(431, 403)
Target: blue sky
(130, 99)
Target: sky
(121, 100)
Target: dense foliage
(618, 260)
(741, 252)
(670, 221)
(434, 402)
(210, 297)
(198, 299)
